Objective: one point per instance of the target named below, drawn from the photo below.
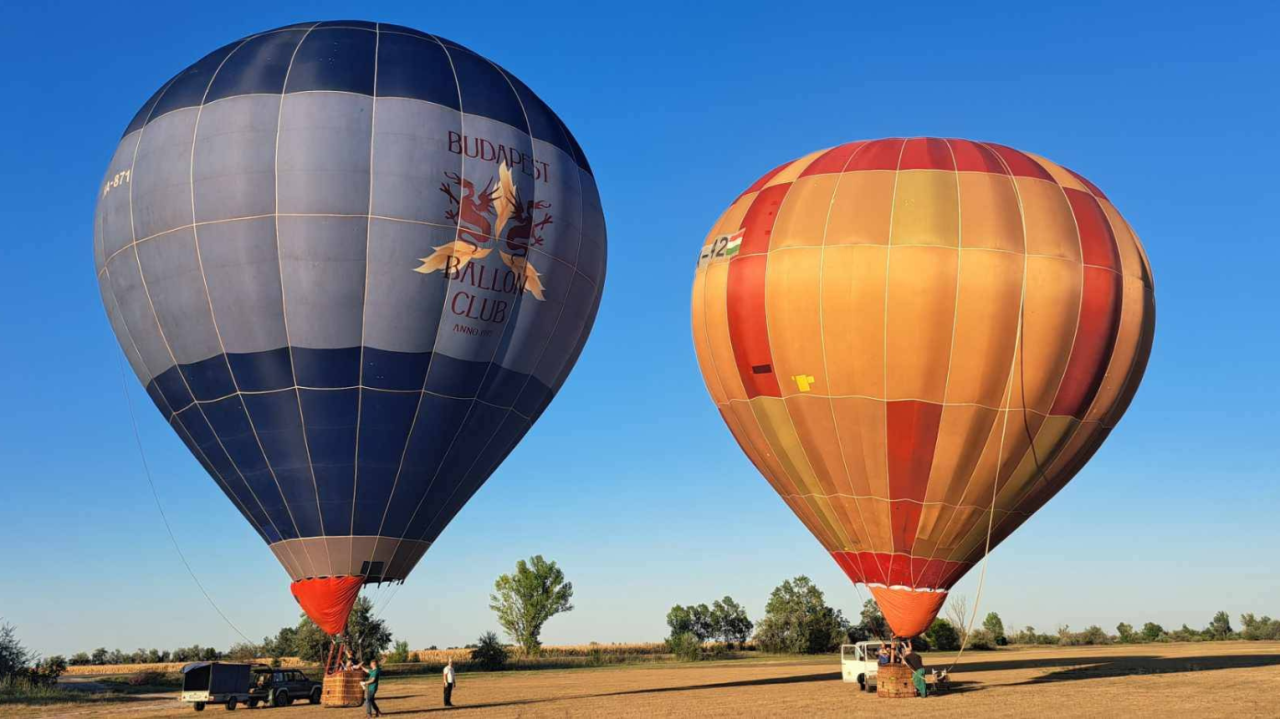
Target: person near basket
(913, 660)
(370, 685)
(449, 678)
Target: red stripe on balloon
(912, 430)
(926, 153)
(1095, 338)
(748, 329)
(833, 160)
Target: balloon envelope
(901, 334)
(351, 263)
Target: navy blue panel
(496, 443)
(485, 91)
(389, 28)
(365, 24)
(158, 399)
(327, 368)
(395, 370)
(189, 86)
(455, 377)
(331, 433)
(209, 378)
(385, 418)
(417, 68)
(451, 436)
(229, 488)
(577, 149)
(195, 426)
(229, 421)
(256, 67)
(144, 114)
(172, 387)
(543, 123)
(279, 427)
(262, 371)
(334, 59)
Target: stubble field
(1219, 679)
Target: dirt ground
(1220, 679)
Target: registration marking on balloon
(804, 382)
(720, 249)
(495, 213)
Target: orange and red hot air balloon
(918, 343)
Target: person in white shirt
(449, 678)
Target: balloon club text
(485, 150)
(476, 306)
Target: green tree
(798, 621)
(80, 659)
(99, 656)
(995, 627)
(729, 621)
(1152, 631)
(399, 654)
(526, 599)
(367, 636)
(942, 636)
(1125, 633)
(489, 653)
(873, 622)
(13, 656)
(695, 619)
(1220, 626)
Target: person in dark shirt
(913, 660)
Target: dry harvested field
(1221, 679)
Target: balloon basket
(893, 681)
(342, 689)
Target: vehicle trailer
(205, 683)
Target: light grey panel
(323, 163)
(403, 307)
(135, 310)
(591, 256)
(162, 175)
(559, 188)
(122, 332)
(322, 263)
(235, 158)
(482, 299)
(243, 274)
(568, 331)
(414, 144)
(112, 212)
(177, 290)
(535, 319)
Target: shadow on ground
(765, 681)
(1099, 667)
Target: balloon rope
(137, 436)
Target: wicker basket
(342, 689)
(893, 681)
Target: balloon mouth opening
(908, 611)
(327, 601)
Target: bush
(489, 653)
(687, 647)
(13, 656)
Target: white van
(859, 663)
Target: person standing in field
(913, 660)
(371, 688)
(449, 678)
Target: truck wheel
(282, 699)
(315, 695)
(862, 682)
(231, 704)
(199, 706)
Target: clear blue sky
(630, 480)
